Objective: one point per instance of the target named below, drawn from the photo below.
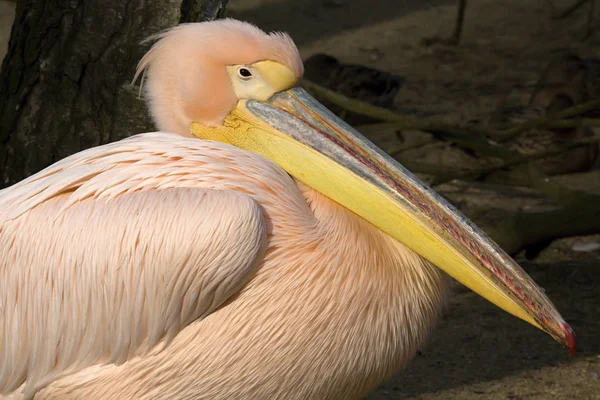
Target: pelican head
(229, 81)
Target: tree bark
(65, 81)
(207, 10)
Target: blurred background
(495, 103)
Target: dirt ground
(477, 351)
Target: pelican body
(256, 247)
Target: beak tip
(569, 338)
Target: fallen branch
(579, 215)
(472, 139)
(432, 170)
(557, 192)
(356, 106)
(395, 151)
(487, 170)
(506, 132)
(523, 229)
(459, 132)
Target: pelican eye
(244, 73)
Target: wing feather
(105, 279)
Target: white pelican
(279, 256)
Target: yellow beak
(317, 148)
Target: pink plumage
(120, 263)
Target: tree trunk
(65, 81)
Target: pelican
(256, 247)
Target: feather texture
(135, 270)
(112, 250)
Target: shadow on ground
(478, 343)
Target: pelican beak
(313, 145)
